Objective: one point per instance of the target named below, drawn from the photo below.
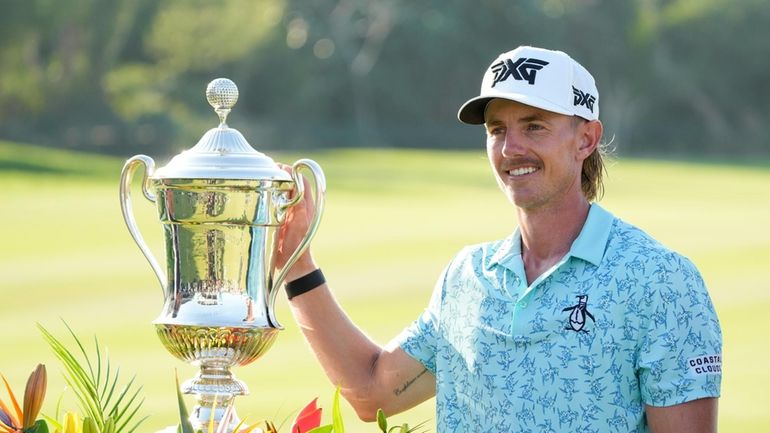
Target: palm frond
(112, 387)
(136, 425)
(184, 418)
(337, 423)
(94, 384)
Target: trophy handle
(320, 194)
(128, 213)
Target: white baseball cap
(546, 79)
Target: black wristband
(305, 283)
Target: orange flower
(8, 422)
(18, 420)
(34, 395)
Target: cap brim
(472, 112)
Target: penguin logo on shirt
(577, 317)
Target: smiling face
(537, 155)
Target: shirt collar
(589, 245)
(592, 240)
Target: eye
(534, 127)
(495, 130)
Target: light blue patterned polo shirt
(620, 322)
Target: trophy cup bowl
(221, 205)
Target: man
(576, 322)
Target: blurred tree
(185, 43)
(117, 76)
(707, 75)
(51, 87)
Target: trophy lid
(222, 152)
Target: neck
(547, 233)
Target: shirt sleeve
(680, 355)
(420, 339)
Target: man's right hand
(293, 230)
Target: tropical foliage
(25, 420)
(308, 420)
(109, 405)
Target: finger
(288, 169)
(284, 167)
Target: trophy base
(215, 350)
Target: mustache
(508, 164)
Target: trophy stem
(216, 388)
(201, 417)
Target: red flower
(308, 418)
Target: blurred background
(677, 77)
(369, 89)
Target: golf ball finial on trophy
(221, 204)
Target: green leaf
(82, 349)
(99, 364)
(112, 388)
(109, 425)
(322, 429)
(419, 427)
(56, 424)
(118, 413)
(131, 416)
(89, 425)
(184, 417)
(78, 378)
(94, 385)
(382, 423)
(57, 414)
(132, 429)
(337, 414)
(39, 426)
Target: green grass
(393, 220)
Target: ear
(589, 135)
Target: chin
(524, 202)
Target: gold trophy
(221, 204)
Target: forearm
(371, 377)
(697, 416)
(346, 354)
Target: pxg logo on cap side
(522, 69)
(583, 99)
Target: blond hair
(594, 169)
(592, 177)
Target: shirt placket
(524, 308)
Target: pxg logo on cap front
(522, 69)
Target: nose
(513, 145)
